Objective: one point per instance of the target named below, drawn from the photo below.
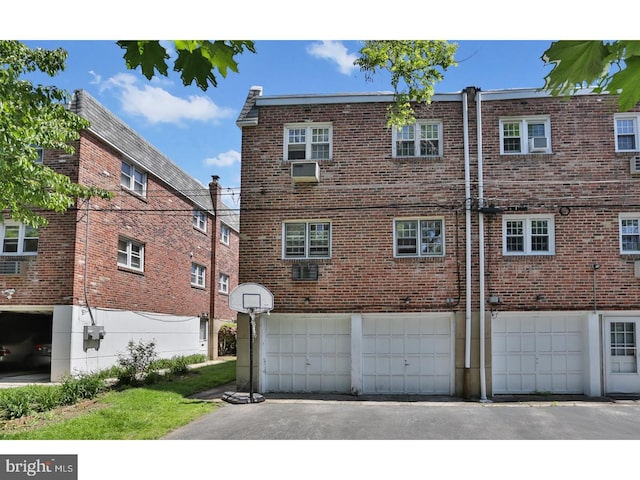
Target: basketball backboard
(251, 297)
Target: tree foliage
(197, 60)
(611, 66)
(35, 116)
(415, 67)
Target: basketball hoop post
(253, 299)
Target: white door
(407, 354)
(534, 353)
(621, 355)
(306, 353)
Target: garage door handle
(406, 363)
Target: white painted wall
(173, 335)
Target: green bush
(80, 387)
(227, 339)
(137, 363)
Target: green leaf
(626, 84)
(149, 55)
(575, 64)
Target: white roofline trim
(281, 100)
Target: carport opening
(25, 345)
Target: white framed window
(528, 235)
(130, 254)
(200, 220)
(225, 234)
(18, 239)
(626, 128)
(134, 179)
(223, 283)
(525, 135)
(204, 329)
(418, 237)
(198, 275)
(40, 152)
(308, 141)
(629, 233)
(421, 139)
(311, 239)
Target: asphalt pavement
(344, 417)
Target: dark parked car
(25, 349)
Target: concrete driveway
(341, 417)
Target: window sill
(131, 270)
(526, 156)
(199, 230)
(434, 158)
(530, 256)
(198, 287)
(424, 259)
(133, 194)
(319, 261)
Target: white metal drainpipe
(467, 193)
(483, 379)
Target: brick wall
(362, 190)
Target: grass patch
(143, 413)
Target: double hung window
(422, 139)
(130, 254)
(626, 131)
(423, 237)
(525, 135)
(223, 283)
(630, 233)
(528, 235)
(200, 220)
(308, 142)
(134, 179)
(198, 275)
(18, 239)
(307, 240)
(224, 234)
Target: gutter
(467, 193)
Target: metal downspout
(481, 273)
(467, 193)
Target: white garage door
(537, 354)
(407, 354)
(307, 353)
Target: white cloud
(226, 159)
(335, 52)
(159, 106)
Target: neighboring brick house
(144, 265)
(509, 216)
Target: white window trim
(308, 140)
(416, 131)
(419, 254)
(636, 129)
(306, 255)
(223, 283)
(203, 323)
(527, 234)
(21, 237)
(200, 275)
(128, 265)
(626, 216)
(225, 234)
(131, 186)
(200, 220)
(524, 137)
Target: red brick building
(489, 248)
(155, 262)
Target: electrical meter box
(93, 332)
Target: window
(525, 135)
(419, 237)
(133, 179)
(528, 235)
(224, 234)
(40, 152)
(307, 240)
(626, 128)
(204, 329)
(18, 239)
(630, 233)
(308, 142)
(422, 139)
(198, 275)
(200, 220)
(223, 283)
(130, 254)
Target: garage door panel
(442, 344)
(550, 357)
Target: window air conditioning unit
(305, 172)
(634, 166)
(538, 144)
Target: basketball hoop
(254, 299)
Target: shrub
(179, 365)
(137, 363)
(227, 339)
(80, 387)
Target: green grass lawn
(142, 413)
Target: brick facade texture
(584, 184)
